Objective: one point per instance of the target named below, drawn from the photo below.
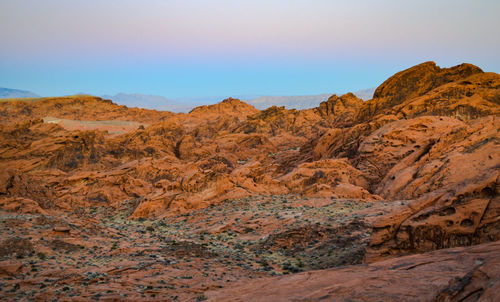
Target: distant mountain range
(259, 102)
(7, 93)
(187, 104)
(296, 102)
(365, 94)
(149, 101)
(301, 101)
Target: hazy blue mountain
(260, 102)
(7, 93)
(365, 94)
(295, 102)
(157, 102)
(150, 102)
(302, 101)
(207, 100)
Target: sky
(191, 48)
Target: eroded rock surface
(460, 274)
(413, 170)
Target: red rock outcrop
(427, 131)
(411, 83)
(78, 107)
(414, 169)
(470, 98)
(471, 273)
(341, 109)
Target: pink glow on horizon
(238, 38)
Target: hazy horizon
(194, 48)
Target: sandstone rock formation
(412, 83)
(422, 158)
(461, 274)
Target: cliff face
(422, 157)
(419, 80)
(412, 83)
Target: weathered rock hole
(421, 217)
(466, 223)
(488, 192)
(447, 212)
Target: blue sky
(221, 48)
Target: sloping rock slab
(458, 274)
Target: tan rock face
(335, 176)
(411, 83)
(342, 109)
(470, 151)
(460, 214)
(446, 275)
(80, 107)
(404, 140)
(465, 99)
(420, 160)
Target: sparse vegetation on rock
(100, 201)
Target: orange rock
(413, 82)
(446, 275)
(62, 229)
(10, 268)
(429, 135)
(21, 205)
